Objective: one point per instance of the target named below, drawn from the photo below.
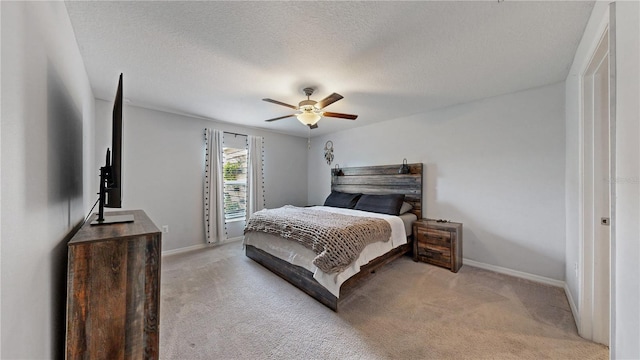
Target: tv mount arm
(106, 181)
(105, 176)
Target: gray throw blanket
(337, 239)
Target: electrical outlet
(165, 229)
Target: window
(235, 183)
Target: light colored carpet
(219, 304)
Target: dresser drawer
(434, 237)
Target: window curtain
(213, 187)
(255, 175)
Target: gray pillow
(342, 200)
(383, 204)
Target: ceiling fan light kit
(310, 110)
(309, 118)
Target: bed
(293, 262)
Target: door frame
(590, 308)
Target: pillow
(406, 207)
(383, 204)
(342, 200)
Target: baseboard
(185, 249)
(572, 305)
(237, 238)
(199, 246)
(515, 273)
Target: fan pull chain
(309, 139)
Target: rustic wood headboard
(383, 179)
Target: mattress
(296, 254)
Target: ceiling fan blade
(314, 126)
(340, 115)
(280, 103)
(281, 117)
(328, 100)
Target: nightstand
(438, 243)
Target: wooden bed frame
(367, 180)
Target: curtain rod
(236, 134)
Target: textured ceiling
(217, 60)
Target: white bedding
(297, 254)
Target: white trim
(613, 110)
(199, 246)
(185, 249)
(587, 194)
(237, 238)
(515, 273)
(572, 305)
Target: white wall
(496, 165)
(163, 164)
(47, 144)
(626, 281)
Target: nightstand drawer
(433, 236)
(438, 255)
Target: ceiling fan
(311, 110)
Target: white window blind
(235, 182)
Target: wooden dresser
(438, 243)
(113, 290)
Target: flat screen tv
(111, 172)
